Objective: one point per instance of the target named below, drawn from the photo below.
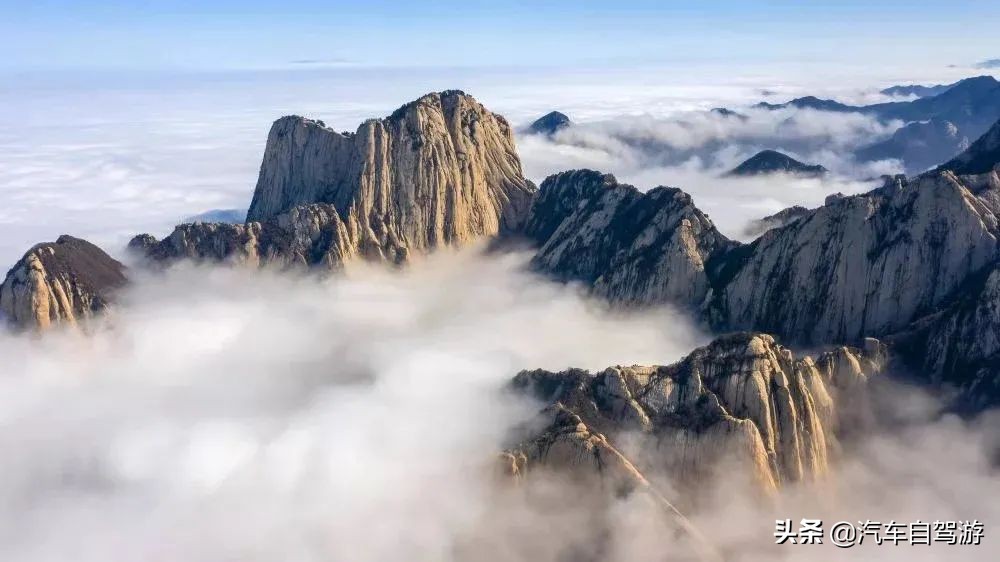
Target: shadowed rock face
(980, 158)
(631, 247)
(742, 399)
(441, 170)
(959, 345)
(864, 265)
(61, 282)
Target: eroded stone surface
(630, 247)
(741, 402)
(863, 265)
(440, 171)
(59, 283)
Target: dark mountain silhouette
(917, 90)
(550, 123)
(772, 161)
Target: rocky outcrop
(980, 158)
(549, 124)
(309, 235)
(779, 219)
(441, 170)
(59, 283)
(741, 402)
(863, 265)
(959, 345)
(630, 247)
(773, 162)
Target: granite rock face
(959, 345)
(863, 265)
(742, 401)
(630, 247)
(777, 220)
(441, 170)
(59, 283)
(306, 236)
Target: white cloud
(234, 414)
(230, 414)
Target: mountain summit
(771, 162)
(550, 123)
(440, 171)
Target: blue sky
(253, 34)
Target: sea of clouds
(227, 414)
(232, 414)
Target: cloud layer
(226, 414)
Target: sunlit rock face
(440, 171)
(863, 265)
(59, 283)
(630, 247)
(308, 235)
(742, 403)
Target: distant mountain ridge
(936, 128)
(917, 90)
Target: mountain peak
(550, 123)
(441, 170)
(59, 282)
(771, 162)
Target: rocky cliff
(741, 402)
(62, 282)
(958, 346)
(863, 265)
(779, 219)
(441, 170)
(308, 235)
(981, 157)
(631, 247)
